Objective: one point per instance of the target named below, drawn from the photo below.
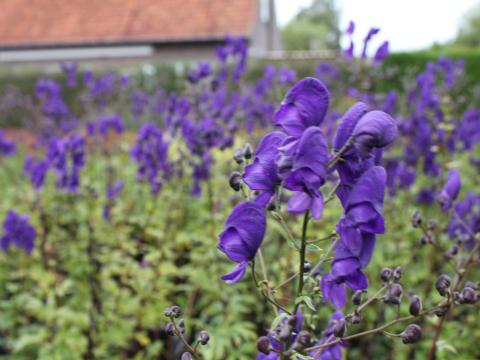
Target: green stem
(303, 248)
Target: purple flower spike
(381, 54)
(375, 129)
(17, 231)
(262, 174)
(305, 105)
(450, 190)
(242, 236)
(350, 28)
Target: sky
(407, 24)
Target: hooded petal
(370, 188)
(375, 129)
(305, 105)
(333, 291)
(348, 123)
(236, 274)
(357, 280)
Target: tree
(469, 33)
(314, 28)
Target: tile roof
(31, 23)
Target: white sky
(408, 24)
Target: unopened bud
(394, 294)
(263, 345)
(386, 274)
(468, 296)
(186, 356)
(397, 273)
(247, 151)
(203, 337)
(176, 311)
(432, 225)
(412, 334)
(416, 219)
(340, 328)
(415, 306)
(357, 297)
(168, 312)
(235, 181)
(443, 284)
(307, 266)
(238, 156)
(181, 326)
(170, 329)
(303, 340)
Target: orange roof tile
(57, 22)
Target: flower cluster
(17, 231)
(151, 154)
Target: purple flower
(67, 157)
(241, 237)
(308, 158)
(375, 129)
(151, 154)
(17, 231)
(36, 171)
(305, 105)
(70, 71)
(262, 174)
(350, 28)
(371, 33)
(277, 345)
(110, 122)
(450, 190)
(7, 147)
(332, 352)
(203, 70)
(381, 54)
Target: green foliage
(314, 28)
(470, 28)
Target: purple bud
(203, 337)
(468, 296)
(263, 345)
(415, 306)
(386, 274)
(340, 328)
(235, 181)
(412, 334)
(416, 219)
(443, 284)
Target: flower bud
(340, 328)
(415, 306)
(412, 334)
(416, 219)
(203, 337)
(238, 156)
(284, 332)
(167, 312)
(443, 284)
(468, 296)
(425, 239)
(432, 225)
(169, 329)
(235, 181)
(442, 311)
(307, 266)
(394, 294)
(303, 340)
(186, 356)
(181, 326)
(247, 151)
(397, 273)
(357, 297)
(263, 345)
(176, 311)
(386, 274)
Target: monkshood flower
(7, 147)
(308, 157)
(468, 212)
(278, 345)
(203, 70)
(371, 33)
(17, 231)
(151, 154)
(67, 157)
(360, 136)
(36, 170)
(305, 105)
(450, 190)
(70, 71)
(108, 123)
(242, 236)
(360, 222)
(333, 352)
(381, 54)
(262, 174)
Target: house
(58, 30)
